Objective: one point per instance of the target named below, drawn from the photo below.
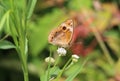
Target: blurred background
(101, 45)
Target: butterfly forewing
(62, 35)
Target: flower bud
(61, 51)
(49, 60)
(75, 58)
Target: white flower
(49, 60)
(75, 58)
(61, 51)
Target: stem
(25, 67)
(23, 59)
(102, 45)
(100, 41)
(56, 62)
(26, 76)
(69, 66)
(19, 25)
(48, 73)
(63, 69)
(4, 37)
(25, 72)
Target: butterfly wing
(62, 35)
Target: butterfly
(62, 35)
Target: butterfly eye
(52, 37)
(64, 28)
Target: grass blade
(3, 20)
(30, 7)
(76, 72)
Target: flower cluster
(61, 51)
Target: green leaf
(30, 7)
(76, 72)
(3, 20)
(6, 45)
(53, 73)
(54, 70)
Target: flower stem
(63, 69)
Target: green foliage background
(44, 18)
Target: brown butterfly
(62, 35)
